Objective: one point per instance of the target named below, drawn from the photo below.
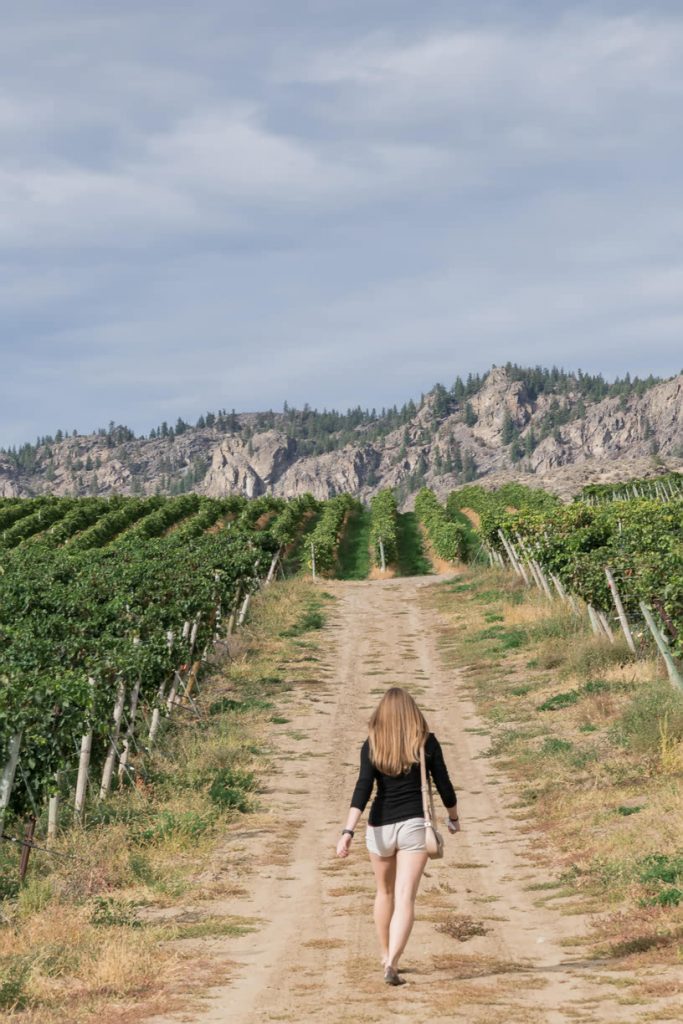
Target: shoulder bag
(433, 838)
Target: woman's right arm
(361, 795)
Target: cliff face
(607, 440)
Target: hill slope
(504, 428)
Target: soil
(485, 947)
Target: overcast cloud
(225, 204)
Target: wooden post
(559, 587)
(156, 716)
(7, 780)
(273, 567)
(606, 628)
(541, 576)
(674, 674)
(519, 561)
(534, 573)
(382, 561)
(313, 559)
(243, 610)
(616, 597)
(128, 739)
(233, 614)
(595, 624)
(192, 679)
(193, 634)
(108, 769)
(83, 769)
(53, 812)
(29, 833)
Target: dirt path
(312, 956)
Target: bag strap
(427, 796)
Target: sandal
(391, 976)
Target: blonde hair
(396, 731)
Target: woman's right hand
(344, 845)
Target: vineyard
(108, 608)
(622, 556)
(111, 610)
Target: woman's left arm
(439, 773)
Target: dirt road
(484, 947)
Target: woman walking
(395, 835)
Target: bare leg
(409, 868)
(385, 877)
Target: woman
(395, 834)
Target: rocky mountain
(504, 427)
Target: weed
(659, 867)
(229, 705)
(625, 810)
(108, 912)
(185, 825)
(592, 655)
(554, 746)
(508, 639)
(461, 927)
(230, 787)
(560, 700)
(640, 726)
(311, 619)
(13, 976)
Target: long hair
(396, 731)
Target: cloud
(233, 205)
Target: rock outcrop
(612, 439)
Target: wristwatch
(348, 832)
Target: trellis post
(616, 597)
(7, 779)
(674, 674)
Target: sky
(340, 202)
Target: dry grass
(461, 927)
(459, 966)
(601, 770)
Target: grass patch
(412, 560)
(354, 549)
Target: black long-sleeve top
(399, 797)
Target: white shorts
(385, 840)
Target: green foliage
(353, 554)
(99, 599)
(448, 539)
(108, 912)
(384, 526)
(14, 974)
(327, 533)
(640, 539)
(230, 789)
(665, 486)
(639, 727)
(662, 876)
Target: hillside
(545, 428)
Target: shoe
(391, 976)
